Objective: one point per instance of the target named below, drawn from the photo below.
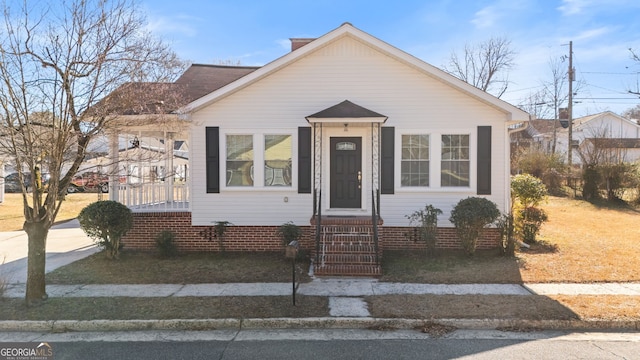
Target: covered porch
(148, 165)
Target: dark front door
(346, 172)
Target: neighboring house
(344, 136)
(617, 135)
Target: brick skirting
(146, 226)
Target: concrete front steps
(347, 248)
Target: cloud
(179, 24)
(497, 12)
(574, 7)
(592, 33)
(486, 17)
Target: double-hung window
(277, 160)
(240, 160)
(415, 160)
(455, 160)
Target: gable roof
(585, 119)
(513, 113)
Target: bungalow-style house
(344, 136)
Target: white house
(344, 136)
(617, 134)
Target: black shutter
(212, 138)
(304, 160)
(484, 160)
(387, 148)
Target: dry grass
(582, 242)
(124, 308)
(531, 307)
(12, 211)
(487, 267)
(194, 268)
(602, 307)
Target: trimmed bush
(106, 222)
(470, 216)
(165, 243)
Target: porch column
(114, 156)
(168, 164)
(375, 166)
(317, 168)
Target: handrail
(318, 218)
(375, 195)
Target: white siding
(344, 70)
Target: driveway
(66, 243)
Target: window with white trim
(414, 166)
(239, 160)
(277, 160)
(454, 170)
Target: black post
(293, 273)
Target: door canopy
(346, 110)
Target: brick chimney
(297, 43)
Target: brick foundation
(146, 226)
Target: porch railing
(154, 196)
(317, 210)
(375, 215)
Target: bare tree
(632, 113)
(485, 65)
(57, 60)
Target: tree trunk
(36, 287)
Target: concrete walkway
(66, 243)
(329, 288)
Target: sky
(256, 32)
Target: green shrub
(106, 222)
(289, 232)
(425, 223)
(470, 216)
(530, 221)
(165, 243)
(528, 190)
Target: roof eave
(343, 120)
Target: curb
(60, 326)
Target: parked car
(89, 181)
(12, 182)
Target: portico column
(168, 164)
(114, 156)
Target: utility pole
(570, 108)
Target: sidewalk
(347, 306)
